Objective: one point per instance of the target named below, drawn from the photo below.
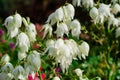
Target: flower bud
(78, 72)
(56, 78)
(5, 59)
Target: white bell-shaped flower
(87, 3)
(75, 28)
(104, 10)
(59, 14)
(12, 23)
(6, 76)
(5, 59)
(47, 30)
(117, 33)
(31, 32)
(73, 47)
(8, 67)
(19, 73)
(51, 19)
(23, 42)
(61, 30)
(21, 55)
(69, 11)
(78, 72)
(56, 78)
(56, 16)
(76, 2)
(116, 8)
(113, 21)
(94, 13)
(17, 20)
(84, 49)
(34, 60)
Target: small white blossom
(34, 60)
(104, 10)
(31, 32)
(23, 42)
(61, 30)
(6, 76)
(87, 3)
(8, 67)
(51, 19)
(78, 72)
(113, 21)
(59, 14)
(73, 47)
(94, 13)
(84, 49)
(17, 20)
(47, 30)
(56, 16)
(56, 78)
(19, 73)
(5, 59)
(75, 27)
(21, 55)
(76, 2)
(116, 8)
(69, 11)
(12, 23)
(117, 33)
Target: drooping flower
(31, 32)
(76, 2)
(87, 3)
(6, 76)
(56, 16)
(116, 8)
(84, 50)
(75, 28)
(104, 10)
(69, 11)
(17, 20)
(78, 72)
(7, 68)
(73, 47)
(117, 33)
(56, 78)
(23, 42)
(34, 60)
(5, 59)
(61, 30)
(94, 14)
(21, 55)
(47, 30)
(13, 23)
(113, 21)
(19, 73)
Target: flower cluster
(63, 17)
(101, 12)
(65, 50)
(8, 72)
(62, 50)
